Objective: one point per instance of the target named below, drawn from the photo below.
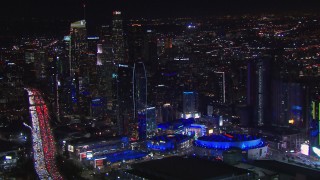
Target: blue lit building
(215, 145)
(89, 148)
(169, 142)
(190, 105)
(175, 127)
(288, 104)
(120, 156)
(196, 130)
(144, 115)
(97, 107)
(147, 123)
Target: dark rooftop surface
(94, 140)
(280, 130)
(287, 168)
(184, 168)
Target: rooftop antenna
(84, 11)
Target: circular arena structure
(214, 145)
(226, 141)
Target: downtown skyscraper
(118, 38)
(77, 46)
(258, 90)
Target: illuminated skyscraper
(77, 45)
(135, 42)
(139, 87)
(288, 104)
(147, 123)
(139, 95)
(259, 90)
(190, 104)
(221, 89)
(131, 98)
(106, 68)
(78, 63)
(41, 64)
(150, 55)
(125, 108)
(118, 38)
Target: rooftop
(185, 168)
(286, 168)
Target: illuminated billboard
(304, 149)
(98, 162)
(83, 155)
(8, 157)
(89, 155)
(316, 151)
(70, 148)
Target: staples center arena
(251, 147)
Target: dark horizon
(34, 17)
(102, 9)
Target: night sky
(101, 9)
(27, 17)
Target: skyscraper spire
(84, 10)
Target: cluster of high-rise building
(226, 74)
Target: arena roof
(226, 141)
(185, 168)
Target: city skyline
(98, 9)
(114, 90)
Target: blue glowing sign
(296, 108)
(67, 38)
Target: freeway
(42, 139)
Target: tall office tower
(77, 46)
(288, 104)
(139, 87)
(62, 65)
(125, 111)
(221, 86)
(135, 43)
(92, 44)
(89, 69)
(190, 104)
(97, 107)
(139, 99)
(131, 98)
(41, 64)
(118, 38)
(105, 33)
(54, 71)
(29, 55)
(106, 73)
(259, 90)
(106, 67)
(147, 123)
(79, 71)
(150, 55)
(167, 113)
